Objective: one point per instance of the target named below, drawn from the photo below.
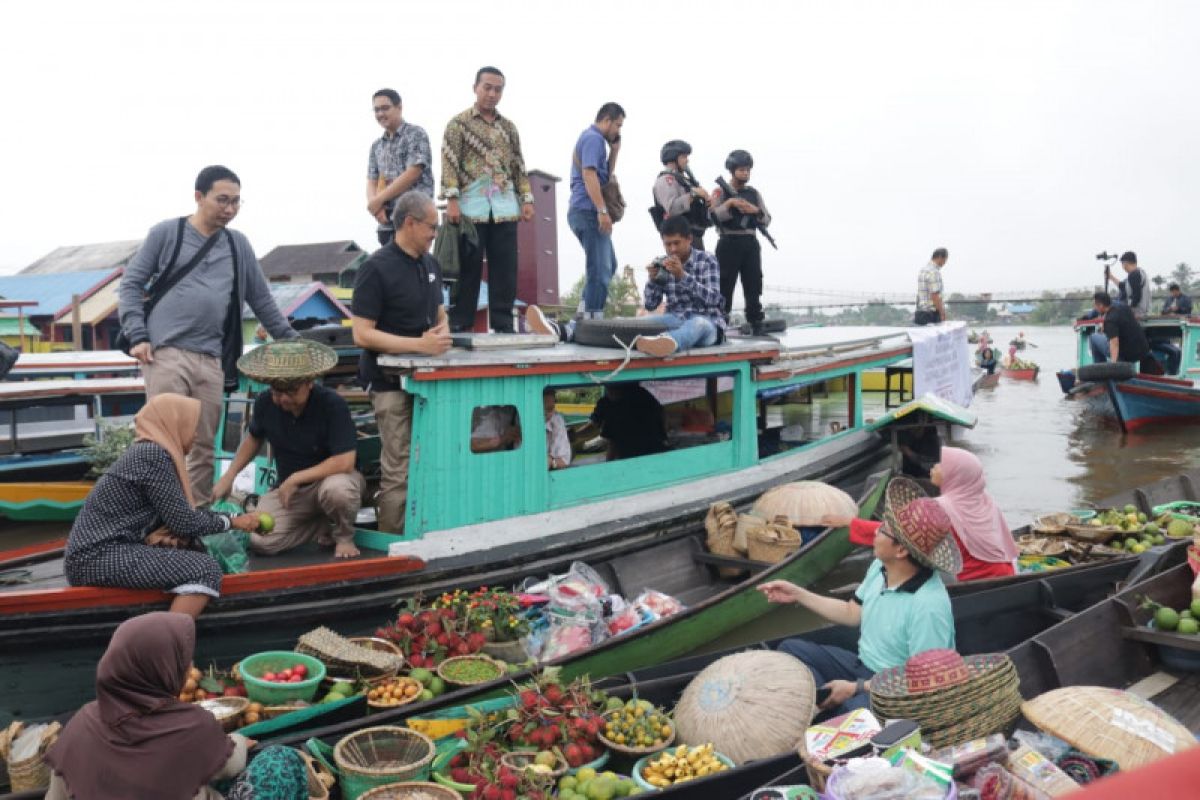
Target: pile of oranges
(394, 692)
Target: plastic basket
(649, 787)
(254, 667)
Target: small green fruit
(266, 523)
(1195, 608)
(1166, 619)
(421, 676)
(1189, 627)
(436, 685)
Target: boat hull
(43, 501)
(1022, 374)
(1140, 402)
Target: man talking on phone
(592, 167)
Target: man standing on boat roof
(931, 305)
(739, 216)
(180, 306)
(901, 607)
(314, 443)
(397, 308)
(484, 180)
(400, 160)
(677, 193)
(592, 168)
(1134, 290)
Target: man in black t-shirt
(317, 491)
(631, 420)
(1122, 332)
(398, 308)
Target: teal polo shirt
(901, 622)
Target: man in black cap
(1178, 302)
(677, 193)
(738, 219)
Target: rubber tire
(600, 332)
(1107, 371)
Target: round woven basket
(1054, 524)
(804, 503)
(403, 702)
(1109, 723)
(510, 652)
(33, 772)
(227, 710)
(442, 669)
(382, 755)
(1101, 534)
(518, 760)
(415, 790)
(636, 751)
(339, 671)
(773, 542)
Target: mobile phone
(823, 693)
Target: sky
(1024, 136)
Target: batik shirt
(392, 154)
(698, 293)
(483, 167)
(929, 282)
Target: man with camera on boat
(312, 437)
(901, 608)
(689, 280)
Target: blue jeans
(827, 663)
(601, 259)
(687, 333)
(1098, 344)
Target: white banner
(940, 362)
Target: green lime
(1166, 619)
(425, 694)
(266, 523)
(1189, 626)
(421, 675)
(1195, 608)
(436, 685)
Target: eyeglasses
(433, 226)
(383, 109)
(227, 202)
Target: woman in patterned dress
(140, 513)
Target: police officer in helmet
(677, 193)
(740, 212)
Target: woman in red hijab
(987, 546)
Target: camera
(662, 276)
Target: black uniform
(739, 252)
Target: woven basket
(320, 779)
(1109, 723)
(518, 760)
(1102, 534)
(227, 710)
(773, 542)
(1054, 524)
(1031, 545)
(818, 771)
(720, 525)
(741, 534)
(296, 359)
(987, 670)
(441, 670)
(386, 754)
(32, 772)
(636, 751)
(510, 652)
(368, 656)
(417, 790)
(403, 702)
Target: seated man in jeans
(901, 608)
(690, 282)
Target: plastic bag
(581, 589)
(658, 604)
(230, 550)
(875, 779)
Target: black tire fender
(1108, 371)
(600, 332)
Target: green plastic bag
(230, 549)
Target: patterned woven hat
(921, 525)
(296, 359)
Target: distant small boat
(1022, 374)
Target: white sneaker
(539, 323)
(661, 345)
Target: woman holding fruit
(138, 528)
(137, 739)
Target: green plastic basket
(254, 667)
(649, 787)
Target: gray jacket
(192, 314)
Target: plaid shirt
(929, 282)
(698, 293)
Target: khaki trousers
(393, 415)
(202, 377)
(312, 511)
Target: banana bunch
(682, 764)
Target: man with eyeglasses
(317, 491)
(189, 341)
(400, 160)
(397, 308)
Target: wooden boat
(49, 501)
(1022, 374)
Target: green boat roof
(933, 405)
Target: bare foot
(346, 550)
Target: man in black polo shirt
(398, 308)
(1123, 335)
(317, 492)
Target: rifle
(724, 186)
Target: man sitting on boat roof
(312, 437)
(1123, 338)
(690, 282)
(901, 607)
(1178, 303)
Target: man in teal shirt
(901, 607)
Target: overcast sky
(1023, 136)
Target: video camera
(662, 276)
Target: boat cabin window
(794, 416)
(495, 428)
(635, 419)
(1166, 345)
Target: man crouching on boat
(313, 440)
(901, 607)
(690, 282)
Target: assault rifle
(747, 220)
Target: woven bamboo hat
(921, 525)
(293, 360)
(1109, 723)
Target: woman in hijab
(986, 544)
(141, 511)
(137, 739)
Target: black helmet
(738, 158)
(673, 150)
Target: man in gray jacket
(179, 344)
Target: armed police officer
(740, 212)
(677, 193)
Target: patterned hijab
(977, 521)
(170, 420)
(136, 739)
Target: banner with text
(940, 362)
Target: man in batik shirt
(400, 160)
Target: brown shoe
(539, 323)
(661, 345)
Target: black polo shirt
(401, 294)
(1120, 324)
(322, 430)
